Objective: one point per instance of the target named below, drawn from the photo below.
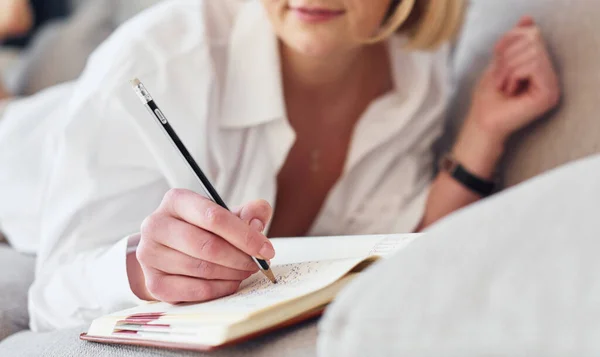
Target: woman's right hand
(193, 250)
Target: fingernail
(257, 225)
(267, 251)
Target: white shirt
(213, 67)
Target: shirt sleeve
(110, 171)
(104, 183)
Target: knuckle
(534, 35)
(157, 287)
(248, 239)
(174, 194)
(498, 48)
(264, 209)
(214, 215)
(143, 254)
(205, 269)
(233, 288)
(250, 266)
(150, 225)
(203, 291)
(209, 248)
(553, 98)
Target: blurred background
(43, 12)
(59, 37)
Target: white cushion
(516, 275)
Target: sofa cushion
(516, 275)
(16, 275)
(572, 31)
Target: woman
(319, 107)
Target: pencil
(208, 188)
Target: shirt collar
(253, 92)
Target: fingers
(536, 59)
(524, 71)
(544, 90)
(256, 213)
(511, 64)
(176, 288)
(526, 21)
(169, 261)
(205, 214)
(195, 242)
(525, 29)
(518, 48)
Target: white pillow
(515, 275)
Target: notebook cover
(201, 348)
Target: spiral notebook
(310, 272)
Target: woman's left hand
(518, 87)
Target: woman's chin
(314, 47)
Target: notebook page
(297, 250)
(256, 293)
(299, 278)
(295, 279)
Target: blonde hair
(426, 23)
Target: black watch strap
(472, 182)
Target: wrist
(478, 151)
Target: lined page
(295, 279)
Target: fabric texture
(515, 275)
(572, 32)
(16, 275)
(298, 341)
(3, 104)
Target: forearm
(519, 85)
(479, 154)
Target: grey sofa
(59, 52)
(16, 274)
(572, 29)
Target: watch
(473, 182)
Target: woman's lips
(316, 15)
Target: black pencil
(209, 190)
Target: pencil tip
(270, 275)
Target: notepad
(310, 272)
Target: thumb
(255, 213)
(526, 21)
